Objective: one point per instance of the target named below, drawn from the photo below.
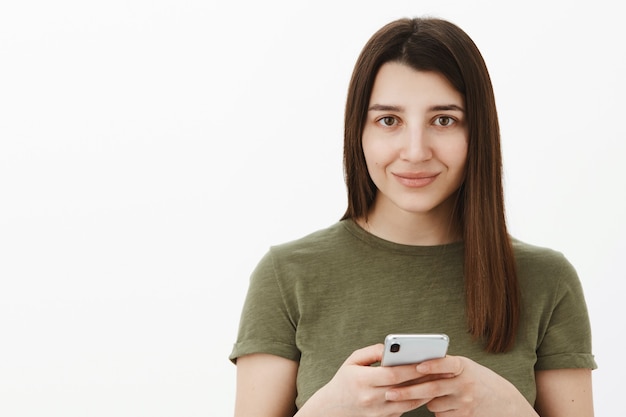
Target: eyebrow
(384, 107)
(441, 107)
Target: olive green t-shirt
(318, 299)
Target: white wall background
(151, 151)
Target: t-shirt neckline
(373, 240)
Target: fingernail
(391, 395)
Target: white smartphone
(405, 349)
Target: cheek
(374, 162)
(376, 153)
(369, 153)
(456, 155)
(461, 159)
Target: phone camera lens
(395, 347)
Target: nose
(416, 145)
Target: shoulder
(320, 255)
(318, 243)
(538, 257)
(542, 268)
(311, 252)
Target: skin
(415, 146)
(266, 388)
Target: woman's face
(414, 140)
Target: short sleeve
(567, 340)
(266, 324)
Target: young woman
(422, 248)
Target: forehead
(400, 84)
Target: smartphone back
(404, 349)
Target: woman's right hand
(358, 389)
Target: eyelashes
(439, 121)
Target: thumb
(366, 356)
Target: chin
(423, 208)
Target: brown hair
(491, 288)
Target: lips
(415, 179)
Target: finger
(425, 391)
(406, 406)
(400, 396)
(450, 365)
(397, 375)
(441, 405)
(366, 356)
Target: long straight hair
(492, 294)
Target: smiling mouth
(416, 180)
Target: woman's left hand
(459, 387)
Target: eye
(444, 121)
(387, 121)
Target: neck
(436, 227)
